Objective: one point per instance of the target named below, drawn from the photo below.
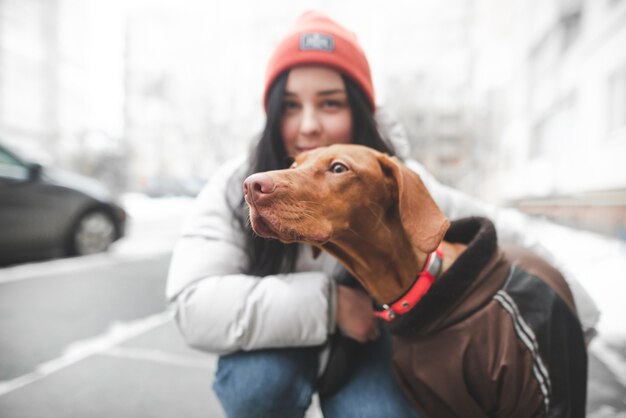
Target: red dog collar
(422, 283)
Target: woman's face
(316, 111)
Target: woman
(268, 308)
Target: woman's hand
(355, 314)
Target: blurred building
(551, 78)
(421, 57)
(518, 101)
(61, 90)
(31, 80)
(184, 112)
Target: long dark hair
(266, 256)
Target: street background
(521, 103)
(518, 102)
(90, 336)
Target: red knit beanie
(317, 39)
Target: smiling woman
(283, 300)
(279, 314)
(316, 110)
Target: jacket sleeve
(514, 227)
(220, 309)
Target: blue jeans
(280, 383)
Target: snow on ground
(599, 263)
(145, 208)
(154, 224)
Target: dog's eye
(338, 168)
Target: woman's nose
(310, 124)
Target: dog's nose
(257, 186)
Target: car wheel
(93, 233)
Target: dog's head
(341, 190)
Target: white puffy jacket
(220, 309)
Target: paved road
(40, 317)
(95, 340)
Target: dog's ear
(421, 218)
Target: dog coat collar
(422, 283)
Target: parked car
(48, 212)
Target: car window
(11, 168)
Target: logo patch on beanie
(317, 42)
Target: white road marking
(159, 356)
(80, 350)
(66, 266)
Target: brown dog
(477, 332)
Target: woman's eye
(338, 168)
(290, 105)
(333, 104)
